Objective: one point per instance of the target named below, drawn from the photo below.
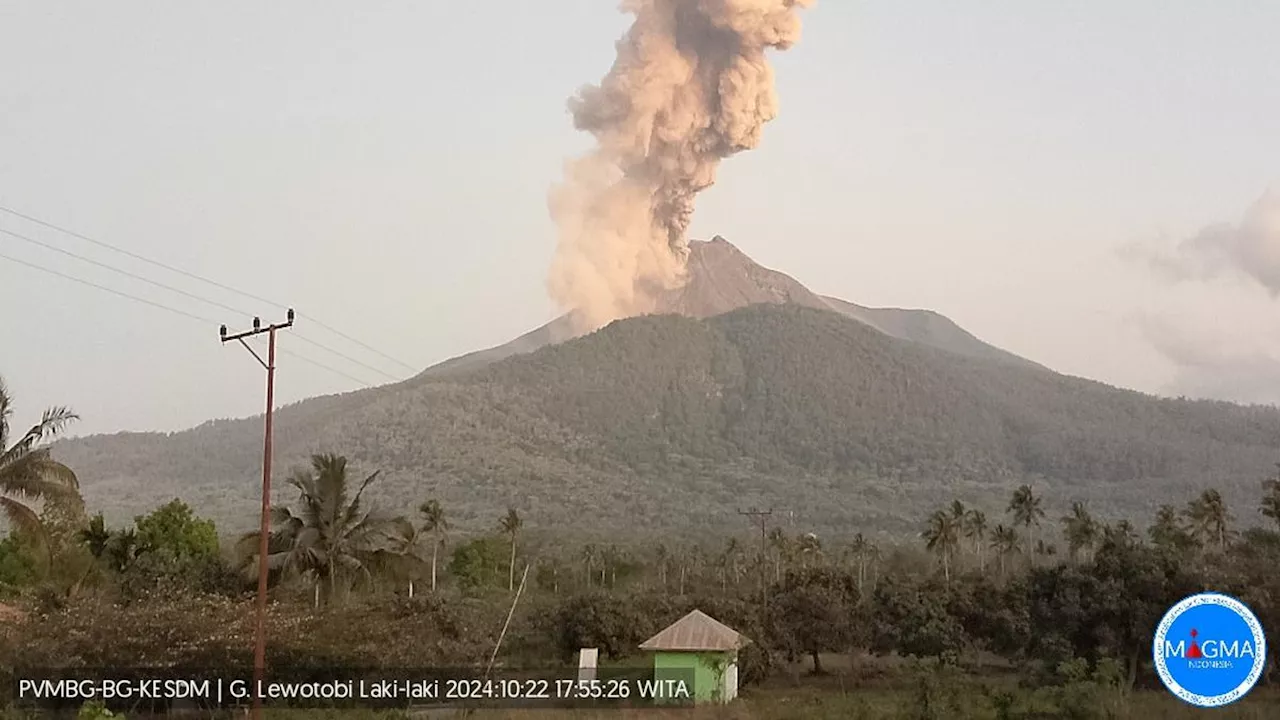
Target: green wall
(704, 669)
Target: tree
(173, 549)
(942, 536)
(816, 612)
(1080, 529)
(975, 528)
(780, 545)
(174, 529)
(1270, 506)
(510, 526)
(589, 556)
(1168, 533)
(862, 550)
(435, 523)
(28, 470)
(909, 616)
(810, 549)
(404, 555)
(1209, 518)
(1026, 510)
(326, 536)
(96, 536)
(476, 564)
(661, 557)
(1004, 541)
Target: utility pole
(260, 622)
(760, 518)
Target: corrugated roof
(696, 631)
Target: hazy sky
(1028, 168)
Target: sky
(1079, 183)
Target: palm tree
(1209, 518)
(435, 523)
(1080, 529)
(1004, 540)
(96, 536)
(403, 554)
(942, 535)
(28, 470)
(734, 558)
(1026, 510)
(327, 536)
(1270, 506)
(510, 525)
(589, 556)
(781, 547)
(810, 548)
(660, 558)
(861, 549)
(975, 528)
(1167, 531)
(121, 549)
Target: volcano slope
(672, 423)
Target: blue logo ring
(1213, 609)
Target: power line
(321, 365)
(126, 273)
(184, 293)
(174, 310)
(345, 357)
(136, 256)
(107, 289)
(200, 278)
(374, 350)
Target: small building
(700, 650)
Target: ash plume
(691, 85)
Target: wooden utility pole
(260, 621)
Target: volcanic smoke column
(691, 86)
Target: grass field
(901, 694)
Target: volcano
(722, 278)
(747, 388)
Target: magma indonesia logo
(1209, 650)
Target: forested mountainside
(675, 422)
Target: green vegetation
(669, 424)
(28, 471)
(840, 626)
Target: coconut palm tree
(862, 550)
(780, 545)
(29, 472)
(1026, 511)
(661, 556)
(942, 536)
(810, 549)
(1209, 519)
(589, 556)
(1004, 541)
(327, 536)
(510, 525)
(404, 554)
(96, 536)
(1081, 530)
(435, 523)
(1270, 506)
(975, 529)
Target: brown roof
(696, 631)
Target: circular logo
(1209, 650)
